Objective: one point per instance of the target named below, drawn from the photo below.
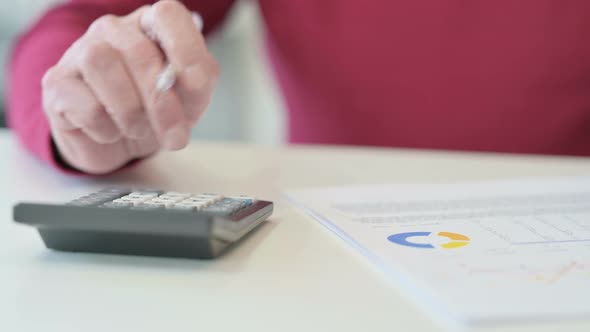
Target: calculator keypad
(155, 199)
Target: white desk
(290, 275)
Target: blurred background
(247, 105)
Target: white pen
(167, 77)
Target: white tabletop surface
(292, 274)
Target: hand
(101, 98)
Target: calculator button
(217, 210)
(183, 207)
(197, 198)
(136, 203)
(150, 203)
(159, 203)
(139, 194)
(235, 206)
(130, 200)
(248, 200)
(167, 199)
(186, 206)
(117, 204)
(167, 202)
(201, 206)
(213, 197)
(115, 191)
(230, 204)
(92, 199)
(201, 201)
(150, 191)
(148, 206)
(128, 197)
(176, 194)
(87, 201)
(126, 200)
(194, 205)
(121, 203)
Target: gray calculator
(146, 222)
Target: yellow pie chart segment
(454, 236)
(454, 244)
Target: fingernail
(198, 20)
(166, 79)
(140, 129)
(146, 23)
(176, 137)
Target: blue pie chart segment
(404, 239)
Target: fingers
(145, 62)
(83, 153)
(119, 63)
(104, 70)
(175, 29)
(70, 105)
(195, 88)
(85, 134)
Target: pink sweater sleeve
(41, 47)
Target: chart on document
(481, 252)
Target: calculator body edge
(95, 229)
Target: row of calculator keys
(213, 203)
(219, 205)
(99, 197)
(136, 198)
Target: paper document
(480, 252)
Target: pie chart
(407, 239)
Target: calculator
(146, 222)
